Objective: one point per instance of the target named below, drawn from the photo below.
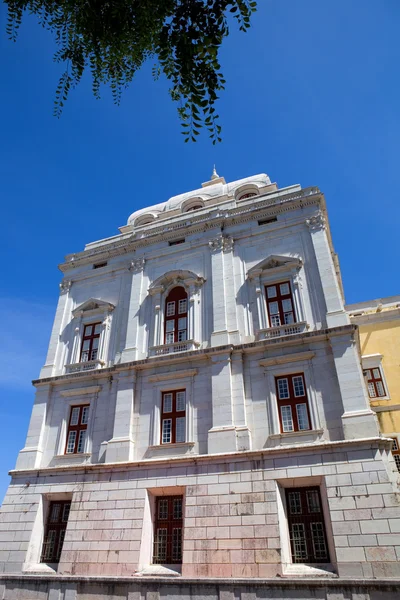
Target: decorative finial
(214, 174)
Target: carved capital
(316, 222)
(137, 264)
(65, 286)
(221, 242)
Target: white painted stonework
(235, 463)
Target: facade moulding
(203, 354)
(212, 219)
(391, 314)
(388, 408)
(379, 443)
(287, 358)
(91, 389)
(286, 582)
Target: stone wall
(234, 516)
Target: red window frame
(77, 423)
(374, 381)
(173, 300)
(279, 299)
(54, 535)
(89, 334)
(396, 452)
(307, 532)
(292, 402)
(168, 530)
(169, 418)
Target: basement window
(99, 265)
(176, 242)
(266, 221)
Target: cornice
(252, 584)
(217, 216)
(202, 354)
(242, 455)
(392, 314)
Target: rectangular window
(306, 526)
(376, 389)
(55, 531)
(396, 453)
(173, 417)
(168, 527)
(77, 427)
(90, 342)
(280, 304)
(294, 412)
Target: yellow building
(379, 338)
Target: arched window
(194, 207)
(248, 195)
(176, 313)
(143, 220)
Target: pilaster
(121, 447)
(218, 246)
(130, 352)
(358, 419)
(48, 368)
(239, 403)
(30, 456)
(222, 435)
(335, 313)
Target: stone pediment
(275, 263)
(176, 277)
(93, 306)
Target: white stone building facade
(202, 414)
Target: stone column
(335, 313)
(358, 420)
(222, 435)
(130, 352)
(30, 456)
(121, 446)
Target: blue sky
(312, 97)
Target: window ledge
(73, 455)
(293, 437)
(310, 570)
(161, 571)
(169, 450)
(45, 568)
(176, 445)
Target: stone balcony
(89, 365)
(283, 330)
(185, 346)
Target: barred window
(168, 529)
(306, 526)
(55, 531)
(396, 453)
